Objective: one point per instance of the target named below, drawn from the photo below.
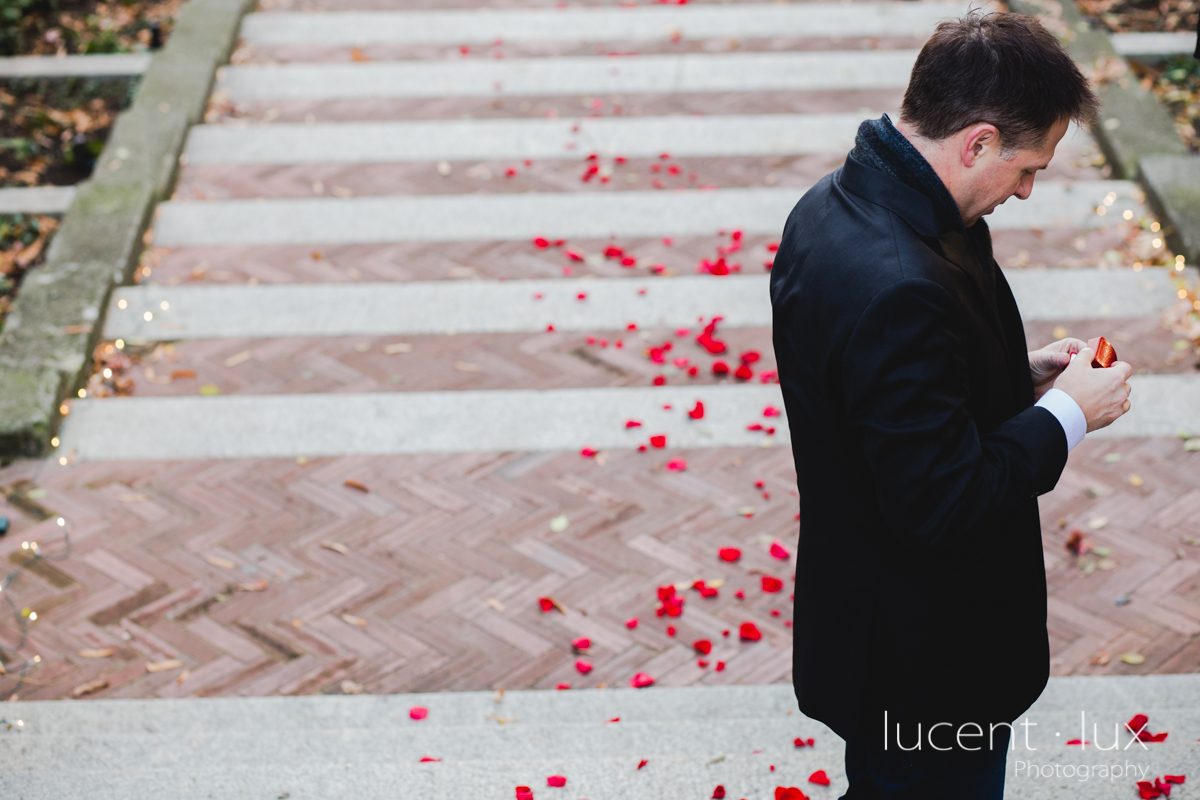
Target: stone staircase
(691, 739)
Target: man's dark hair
(1005, 69)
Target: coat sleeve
(905, 383)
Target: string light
(25, 616)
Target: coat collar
(915, 208)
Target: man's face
(995, 179)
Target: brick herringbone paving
(630, 105)
(221, 566)
(525, 361)
(556, 360)
(263, 54)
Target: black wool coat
(920, 584)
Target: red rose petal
(563, 687)
(676, 465)
(749, 632)
(743, 373)
(750, 356)
(632, 423)
(702, 646)
(640, 681)
(771, 411)
(697, 411)
(666, 591)
(771, 584)
(628, 261)
(588, 452)
(720, 666)
(739, 594)
(1147, 790)
(582, 667)
(642, 763)
(546, 604)
(819, 778)
(428, 759)
(729, 554)
(658, 440)
(541, 243)
(718, 792)
(582, 643)
(1174, 778)
(556, 781)
(574, 255)
(418, 713)
(720, 368)
(631, 623)
(671, 630)
(789, 793)
(659, 380)
(524, 793)
(779, 551)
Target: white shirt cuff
(1068, 413)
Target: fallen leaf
(163, 666)
(466, 366)
(357, 622)
(98, 652)
(1096, 523)
(183, 676)
(239, 358)
(182, 374)
(350, 687)
(1133, 658)
(398, 347)
(210, 390)
(336, 547)
(496, 604)
(259, 585)
(559, 523)
(1100, 659)
(1135, 480)
(353, 484)
(89, 687)
(223, 563)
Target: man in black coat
(922, 429)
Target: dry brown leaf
(1101, 659)
(97, 652)
(466, 366)
(1133, 658)
(183, 676)
(357, 622)
(350, 687)
(239, 358)
(496, 604)
(133, 498)
(353, 484)
(182, 374)
(30, 253)
(89, 687)
(336, 547)
(217, 561)
(398, 347)
(163, 666)
(259, 585)
(356, 54)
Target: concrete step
(86, 66)
(385, 423)
(573, 215)
(151, 312)
(494, 139)
(583, 75)
(36, 200)
(596, 24)
(1153, 46)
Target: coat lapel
(960, 251)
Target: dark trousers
(877, 773)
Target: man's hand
(1047, 364)
(1102, 394)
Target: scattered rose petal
(702, 646)
(743, 373)
(562, 687)
(582, 643)
(640, 681)
(779, 551)
(720, 666)
(632, 423)
(541, 243)
(658, 440)
(671, 630)
(789, 793)
(642, 763)
(771, 584)
(588, 452)
(557, 781)
(718, 792)
(739, 594)
(771, 411)
(659, 380)
(1078, 742)
(582, 667)
(418, 713)
(819, 778)
(524, 793)
(631, 623)
(729, 554)
(720, 368)
(676, 465)
(804, 742)
(749, 632)
(697, 411)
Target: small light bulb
(147, 316)
(107, 372)
(54, 442)
(33, 618)
(63, 460)
(83, 392)
(1183, 294)
(164, 305)
(1154, 226)
(36, 659)
(24, 545)
(1128, 214)
(64, 409)
(122, 303)
(1101, 210)
(61, 522)
(120, 343)
(20, 723)
(1157, 243)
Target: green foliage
(14, 18)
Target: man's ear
(977, 141)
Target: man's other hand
(1102, 394)
(1047, 364)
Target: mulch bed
(68, 27)
(1129, 16)
(44, 143)
(23, 241)
(1176, 83)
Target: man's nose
(1024, 188)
